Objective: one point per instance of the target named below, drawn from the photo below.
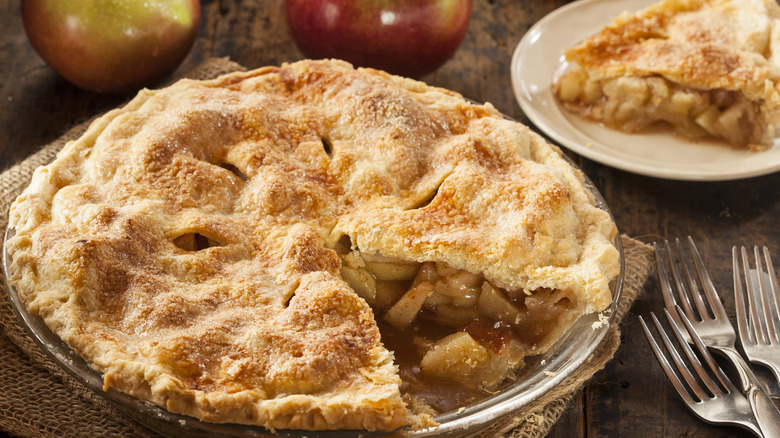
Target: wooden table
(631, 397)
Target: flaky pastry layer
(182, 245)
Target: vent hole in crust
(288, 299)
(426, 201)
(327, 146)
(286, 303)
(194, 242)
(234, 170)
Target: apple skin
(405, 37)
(111, 46)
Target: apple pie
(310, 246)
(705, 68)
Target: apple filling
(634, 104)
(454, 325)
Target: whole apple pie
(705, 68)
(309, 246)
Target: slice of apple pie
(309, 246)
(707, 68)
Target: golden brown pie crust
(182, 245)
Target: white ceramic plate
(538, 58)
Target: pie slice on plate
(707, 68)
(268, 248)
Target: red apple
(405, 37)
(111, 46)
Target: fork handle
(767, 414)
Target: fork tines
(683, 279)
(758, 318)
(706, 390)
(703, 375)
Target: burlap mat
(38, 399)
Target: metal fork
(710, 322)
(717, 404)
(758, 322)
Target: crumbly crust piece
(731, 45)
(181, 246)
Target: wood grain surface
(631, 397)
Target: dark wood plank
(630, 397)
(636, 399)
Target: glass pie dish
(539, 375)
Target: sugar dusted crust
(702, 58)
(183, 245)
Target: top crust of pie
(268, 170)
(705, 44)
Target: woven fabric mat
(39, 399)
